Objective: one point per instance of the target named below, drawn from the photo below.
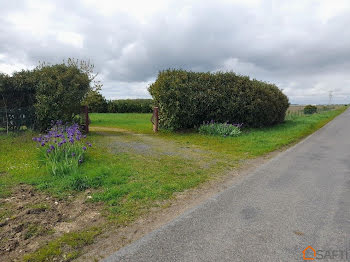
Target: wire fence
(14, 119)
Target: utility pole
(330, 96)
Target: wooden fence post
(155, 119)
(87, 121)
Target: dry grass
(298, 110)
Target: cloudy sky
(303, 46)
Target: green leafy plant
(17, 96)
(186, 99)
(212, 128)
(33, 98)
(59, 93)
(62, 149)
(310, 109)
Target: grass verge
(259, 141)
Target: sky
(302, 46)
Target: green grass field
(140, 178)
(253, 142)
(140, 123)
(130, 172)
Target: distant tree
(96, 102)
(310, 109)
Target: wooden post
(155, 119)
(87, 122)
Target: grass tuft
(65, 248)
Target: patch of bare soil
(115, 238)
(122, 141)
(33, 218)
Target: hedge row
(48, 92)
(130, 106)
(186, 99)
(98, 104)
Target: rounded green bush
(48, 92)
(186, 99)
(310, 109)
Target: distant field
(294, 108)
(298, 110)
(130, 121)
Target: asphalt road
(298, 199)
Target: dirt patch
(115, 238)
(122, 141)
(30, 218)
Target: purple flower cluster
(59, 135)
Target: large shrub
(18, 90)
(59, 93)
(17, 96)
(49, 92)
(186, 99)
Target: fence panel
(12, 119)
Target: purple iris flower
(59, 135)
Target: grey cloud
(271, 41)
